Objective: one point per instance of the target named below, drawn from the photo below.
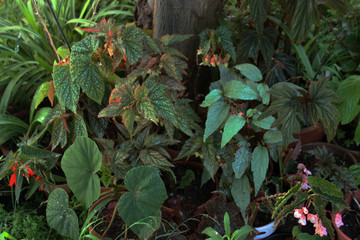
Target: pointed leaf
(58, 134)
(66, 90)
(79, 126)
(80, 163)
(84, 72)
(249, 71)
(232, 126)
(133, 43)
(259, 166)
(238, 90)
(240, 190)
(211, 98)
(326, 190)
(210, 163)
(349, 97)
(272, 136)
(175, 38)
(151, 157)
(60, 216)
(265, 123)
(217, 114)
(242, 159)
(258, 13)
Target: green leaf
(58, 134)
(128, 116)
(212, 233)
(242, 159)
(168, 40)
(227, 224)
(349, 98)
(39, 96)
(42, 116)
(84, 72)
(242, 233)
(152, 157)
(11, 126)
(209, 152)
(306, 14)
(265, 123)
(264, 93)
(133, 43)
(80, 163)
(326, 190)
(259, 166)
(238, 90)
(79, 126)
(224, 34)
(60, 216)
(232, 126)
(66, 90)
(143, 103)
(217, 114)
(142, 203)
(63, 52)
(160, 100)
(282, 200)
(240, 190)
(258, 13)
(190, 147)
(272, 136)
(211, 98)
(250, 71)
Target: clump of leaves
(296, 106)
(327, 168)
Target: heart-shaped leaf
(140, 207)
(80, 163)
(59, 216)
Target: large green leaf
(217, 114)
(209, 152)
(133, 43)
(232, 126)
(306, 13)
(11, 126)
(39, 96)
(250, 71)
(142, 203)
(66, 90)
(80, 163)
(265, 123)
(272, 136)
(258, 13)
(240, 190)
(60, 216)
(349, 98)
(79, 126)
(143, 103)
(326, 190)
(224, 34)
(242, 159)
(211, 98)
(238, 90)
(259, 165)
(84, 72)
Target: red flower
(13, 180)
(30, 172)
(38, 178)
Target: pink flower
(338, 220)
(305, 211)
(312, 218)
(302, 220)
(321, 231)
(307, 172)
(305, 185)
(298, 213)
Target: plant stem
(57, 23)
(111, 221)
(45, 29)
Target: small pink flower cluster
(304, 174)
(338, 220)
(314, 219)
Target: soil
(351, 220)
